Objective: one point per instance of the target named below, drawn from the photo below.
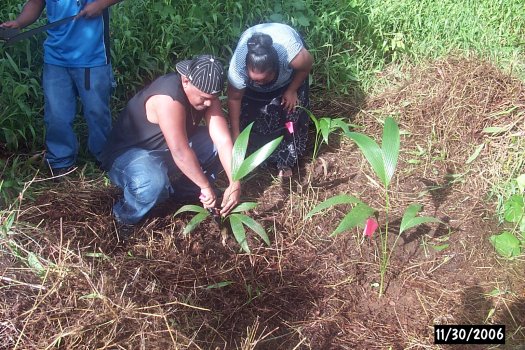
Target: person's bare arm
(30, 13)
(171, 117)
(94, 9)
(301, 64)
(234, 109)
(220, 135)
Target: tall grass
(418, 29)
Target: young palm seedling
(241, 167)
(383, 161)
(324, 126)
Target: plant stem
(383, 263)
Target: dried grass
(306, 291)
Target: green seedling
(510, 243)
(236, 219)
(383, 161)
(324, 126)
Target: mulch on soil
(163, 290)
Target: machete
(10, 36)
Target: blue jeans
(146, 177)
(62, 86)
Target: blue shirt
(80, 43)
(286, 41)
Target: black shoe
(124, 231)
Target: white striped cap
(205, 72)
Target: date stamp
(469, 334)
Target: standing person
(267, 80)
(76, 64)
(158, 148)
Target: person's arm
(30, 13)
(94, 9)
(220, 135)
(171, 117)
(234, 109)
(301, 64)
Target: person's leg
(95, 86)
(183, 188)
(143, 177)
(59, 114)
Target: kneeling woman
(268, 79)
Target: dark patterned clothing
(270, 122)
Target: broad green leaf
(256, 158)
(330, 202)
(372, 153)
(190, 208)
(219, 285)
(513, 208)
(239, 232)
(195, 221)
(476, 153)
(245, 206)
(390, 148)
(356, 217)
(239, 148)
(325, 126)
(35, 264)
(254, 226)
(410, 220)
(341, 124)
(313, 118)
(506, 244)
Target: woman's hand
(289, 100)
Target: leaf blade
(256, 158)
(390, 148)
(410, 220)
(255, 227)
(239, 232)
(332, 201)
(356, 217)
(244, 206)
(239, 148)
(194, 222)
(372, 153)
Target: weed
(509, 244)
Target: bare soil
(307, 290)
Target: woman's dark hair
(262, 56)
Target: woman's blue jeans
(146, 177)
(62, 86)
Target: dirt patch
(307, 290)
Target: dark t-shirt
(134, 130)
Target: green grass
(415, 30)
